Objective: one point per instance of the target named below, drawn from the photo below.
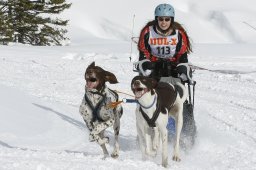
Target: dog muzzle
(139, 92)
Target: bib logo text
(162, 41)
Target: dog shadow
(6, 145)
(66, 118)
(126, 143)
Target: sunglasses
(91, 79)
(164, 19)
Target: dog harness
(166, 98)
(152, 122)
(95, 110)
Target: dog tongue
(90, 85)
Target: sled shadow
(70, 120)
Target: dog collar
(147, 107)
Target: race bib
(162, 46)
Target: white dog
(156, 102)
(94, 107)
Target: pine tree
(6, 33)
(31, 22)
(49, 32)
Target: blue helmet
(164, 10)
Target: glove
(185, 72)
(148, 65)
(143, 67)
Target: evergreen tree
(6, 33)
(49, 32)
(31, 22)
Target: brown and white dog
(94, 107)
(156, 102)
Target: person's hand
(185, 72)
(143, 67)
(148, 65)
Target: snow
(41, 88)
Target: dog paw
(91, 138)
(151, 153)
(105, 156)
(176, 158)
(155, 147)
(165, 165)
(106, 139)
(115, 155)
(103, 141)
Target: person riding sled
(163, 54)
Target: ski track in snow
(224, 112)
(227, 98)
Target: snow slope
(41, 89)
(229, 21)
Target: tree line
(34, 22)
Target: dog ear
(154, 83)
(92, 64)
(110, 77)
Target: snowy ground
(40, 127)
(41, 89)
